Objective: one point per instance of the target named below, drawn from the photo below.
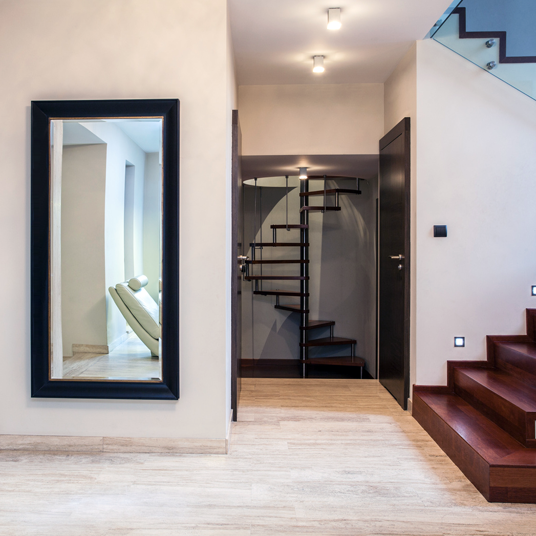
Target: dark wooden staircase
(484, 419)
(302, 308)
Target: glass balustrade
(497, 35)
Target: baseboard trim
(90, 349)
(120, 340)
(138, 445)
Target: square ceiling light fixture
(334, 18)
(318, 64)
(303, 173)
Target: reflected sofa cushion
(142, 307)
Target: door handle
(243, 264)
(396, 257)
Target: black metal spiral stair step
(328, 341)
(276, 278)
(290, 226)
(289, 261)
(311, 209)
(340, 361)
(279, 244)
(317, 324)
(331, 192)
(277, 292)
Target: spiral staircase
(308, 326)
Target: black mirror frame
(41, 384)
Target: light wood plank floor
(308, 458)
(131, 360)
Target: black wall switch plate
(440, 231)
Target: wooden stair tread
(291, 307)
(331, 191)
(341, 361)
(328, 341)
(316, 324)
(290, 226)
(310, 208)
(488, 440)
(276, 278)
(279, 244)
(269, 261)
(278, 292)
(504, 385)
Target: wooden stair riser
(502, 490)
(530, 317)
(519, 359)
(506, 414)
(470, 463)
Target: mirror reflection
(106, 249)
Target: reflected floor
(131, 360)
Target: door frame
(236, 247)
(401, 129)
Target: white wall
(400, 102)
(152, 217)
(121, 151)
(311, 119)
(157, 49)
(82, 246)
(475, 173)
(231, 104)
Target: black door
(394, 251)
(236, 284)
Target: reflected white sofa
(140, 311)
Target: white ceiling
(145, 133)
(274, 40)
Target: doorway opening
(310, 255)
(309, 285)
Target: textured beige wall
(97, 49)
(82, 246)
(311, 119)
(475, 173)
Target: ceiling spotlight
(303, 173)
(318, 64)
(334, 18)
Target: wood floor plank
(307, 458)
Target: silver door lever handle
(397, 257)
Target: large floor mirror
(105, 249)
